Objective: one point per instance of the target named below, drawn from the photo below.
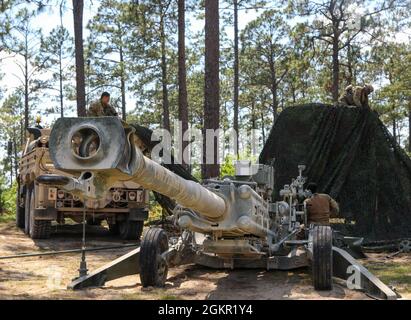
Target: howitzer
(227, 223)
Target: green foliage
(55, 62)
(7, 201)
(227, 167)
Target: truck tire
(153, 267)
(130, 230)
(20, 211)
(39, 229)
(322, 264)
(94, 222)
(27, 210)
(113, 228)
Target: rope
(52, 253)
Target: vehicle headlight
(60, 194)
(132, 195)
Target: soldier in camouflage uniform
(102, 107)
(320, 207)
(356, 96)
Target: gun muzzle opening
(86, 175)
(85, 143)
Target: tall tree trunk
(166, 106)
(61, 82)
(274, 101)
(336, 67)
(262, 126)
(409, 125)
(236, 73)
(350, 65)
(26, 91)
(212, 86)
(122, 86)
(273, 86)
(61, 62)
(22, 130)
(394, 129)
(78, 6)
(253, 129)
(182, 76)
(15, 133)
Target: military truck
(125, 208)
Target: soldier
(347, 99)
(320, 207)
(102, 107)
(356, 96)
(361, 96)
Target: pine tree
(54, 58)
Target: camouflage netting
(351, 155)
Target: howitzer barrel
(105, 151)
(189, 194)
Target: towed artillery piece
(229, 223)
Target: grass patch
(393, 273)
(7, 217)
(169, 297)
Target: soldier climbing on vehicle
(102, 107)
(320, 207)
(356, 96)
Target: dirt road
(47, 277)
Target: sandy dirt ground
(47, 277)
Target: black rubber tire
(20, 212)
(153, 268)
(130, 230)
(94, 222)
(113, 228)
(39, 229)
(27, 210)
(322, 264)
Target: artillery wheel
(20, 211)
(38, 229)
(322, 264)
(153, 267)
(130, 230)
